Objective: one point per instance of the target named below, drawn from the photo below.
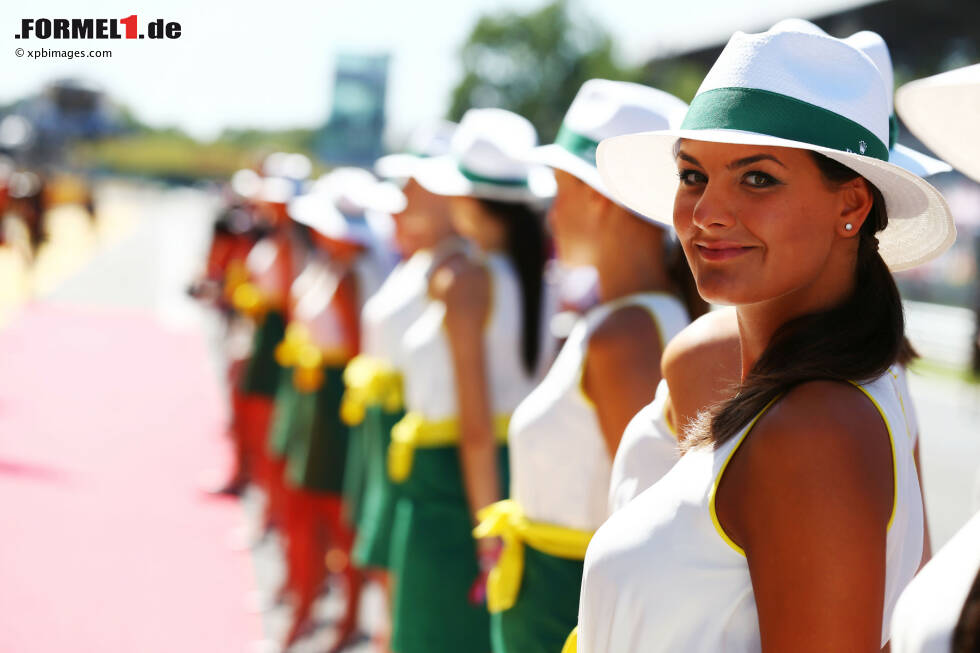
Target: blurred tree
(534, 64)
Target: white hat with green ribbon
(873, 45)
(943, 111)
(488, 160)
(798, 89)
(427, 140)
(602, 109)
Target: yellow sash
(307, 360)
(414, 432)
(571, 644)
(369, 381)
(506, 520)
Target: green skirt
(546, 610)
(373, 542)
(262, 372)
(285, 414)
(433, 557)
(316, 456)
(355, 475)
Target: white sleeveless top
(661, 576)
(649, 446)
(403, 296)
(264, 269)
(430, 381)
(930, 607)
(314, 290)
(559, 463)
(647, 451)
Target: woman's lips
(721, 251)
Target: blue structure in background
(353, 133)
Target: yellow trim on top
(571, 644)
(714, 487)
(668, 422)
(901, 403)
(891, 443)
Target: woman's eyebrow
(690, 159)
(738, 163)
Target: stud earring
(848, 226)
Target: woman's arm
(808, 496)
(622, 370)
(464, 287)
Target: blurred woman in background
(469, 359)
(564, 435)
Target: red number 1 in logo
(130, 23)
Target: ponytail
(526, 250)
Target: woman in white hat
(710, 347)
(321, 338)
(794, 519)
(373, 402)
(564, 434)
(271, 266)
(467, 361)
(940, 609)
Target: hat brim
(399, 167)
(440, 175)
(917, 162)
(942, 113)
(317, 212)
(555, 156)
(640, 171)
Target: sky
(270, 64)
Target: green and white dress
(373, 402)
(433, 552)
(560, 472)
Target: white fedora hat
(488, 160)
(943, 111)
(798, 89)
(427, 140)
(318, 211)
(603, 109)
(355, 191)
(874, 46)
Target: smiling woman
(794, 519)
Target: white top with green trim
(559, 463)
(661, 576)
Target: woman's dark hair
(526, 250)
(681, 276)
(966, 635)
(856, 340)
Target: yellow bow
(369, 381)
(248, 299)
(307, 360)
(506, 520)
(414, 431)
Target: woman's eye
(758, 179)
(692, 177)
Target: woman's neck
(628, 277)
(757, 323)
